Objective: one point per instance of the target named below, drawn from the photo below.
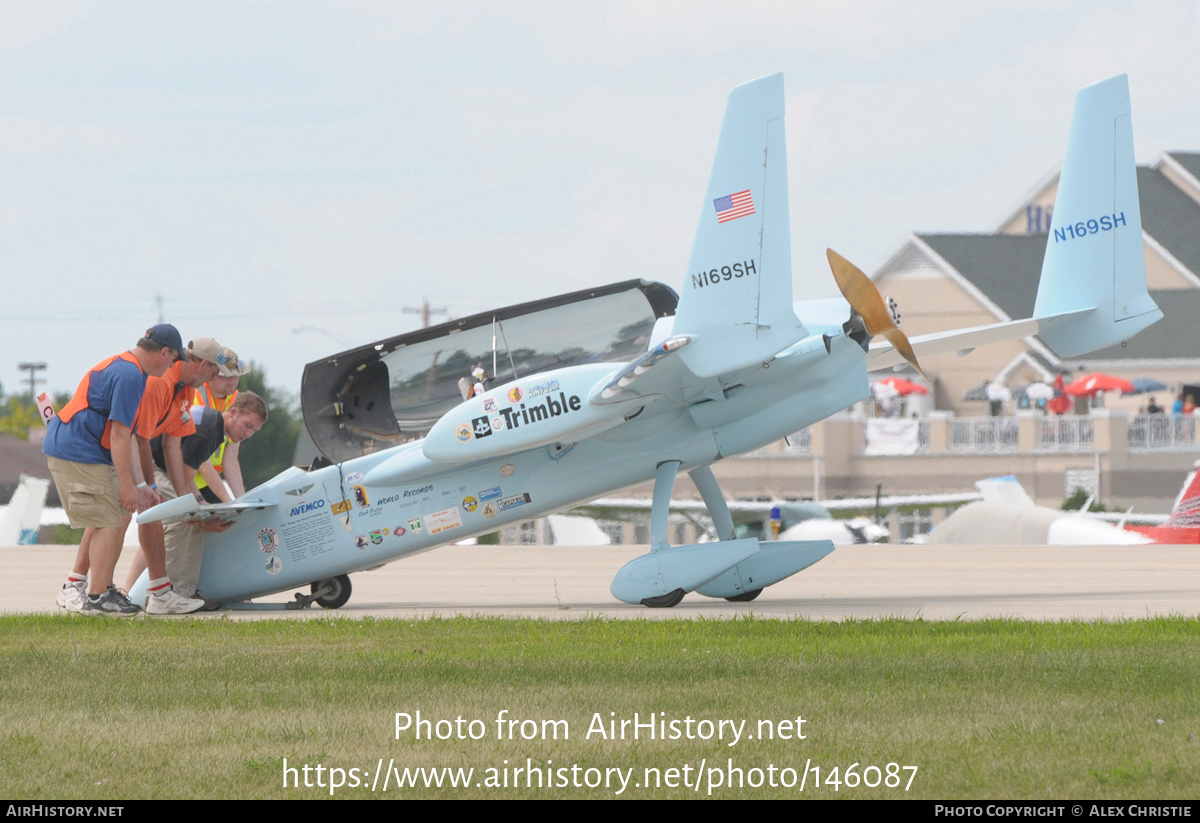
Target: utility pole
(425, 311)
(33, 380)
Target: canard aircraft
(593, 391)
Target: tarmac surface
(873, 581)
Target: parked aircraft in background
(1007, 516)
(1183, 525)
(596, 390)
(845, 520)
(22, 517)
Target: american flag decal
(733, 206)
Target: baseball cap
(167, 335)
(205, 348)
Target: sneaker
(112, 603)
(72, 595)
(172, 602)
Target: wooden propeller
(864, 298)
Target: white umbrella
(1039, 391)
(998, 392)
(883, 391)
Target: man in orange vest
(165, 414)
(89, 449)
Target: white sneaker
(172, 602)
(72, 595)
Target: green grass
(113, 709)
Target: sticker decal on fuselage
(527, 414)
(443, 521)
(514, 501)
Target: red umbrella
(1091, 383)
(902, 386)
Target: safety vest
(204, 397)
(80, 401)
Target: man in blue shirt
(88, 447)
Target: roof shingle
(1006, 269)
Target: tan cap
(205, 348)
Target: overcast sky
(289, 176)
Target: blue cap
(166, 334)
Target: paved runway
(560, 582)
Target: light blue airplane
(593, 391)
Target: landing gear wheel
(664, 601)
(744, 597)
(338, 594)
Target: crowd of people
(159, 421)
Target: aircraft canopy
(393, 391)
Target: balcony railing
(1162, 432)
(1001, 435)
(984, 434)
(799, 443)
(1070, 433)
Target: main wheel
(664, 601)
(339, 592)
(744, 597)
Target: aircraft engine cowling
(550, 407)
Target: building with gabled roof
(946, 281)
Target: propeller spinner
(865, 299)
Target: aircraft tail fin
(736, 301)
(1094, 268)
(1006, 490)
(1186, 512)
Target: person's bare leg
(154, 549)
(103, 554)
(137, 567)
(83, 561)
(152, 555)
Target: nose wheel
(332, 593)
(665, 601)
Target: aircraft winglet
(1092, 292)
(737, 293)
(1094, 254)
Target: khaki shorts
(89, 493)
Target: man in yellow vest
(219, 394)
(185, 541)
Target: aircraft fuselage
(335, 520)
